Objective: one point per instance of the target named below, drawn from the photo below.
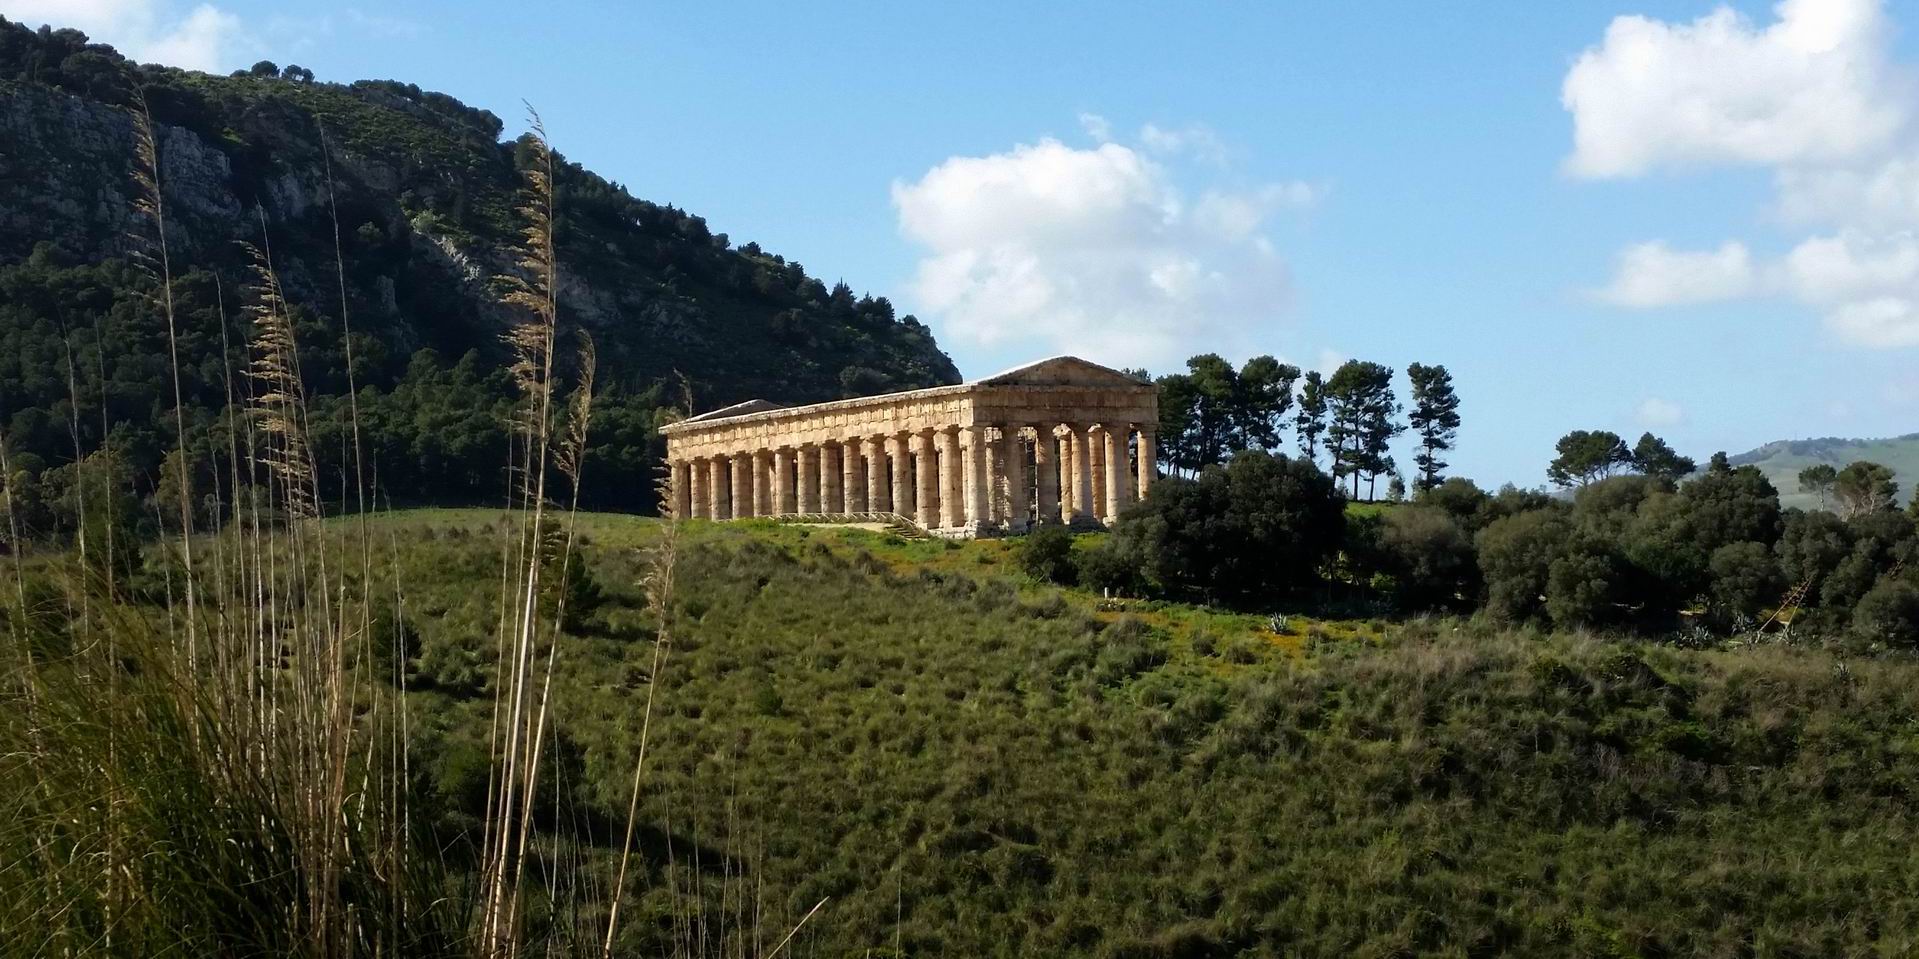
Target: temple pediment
(737, 409)
(1062, 371)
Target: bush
(1046, 554)
(1745, 577)
(1582, 586)
(1102, 567)
(1259, 524)
(1516, 555)
(1889, 613)
(1429, 555)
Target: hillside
(1781, 462)
(974, 764)
(425, 192)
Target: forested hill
(425, 191)
(1781, 462)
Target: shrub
(1516, 556)
(1256, 525)
(1745, 577)
(1582, 586)
(1103, 567)
(1889, 613)
(1429, 555)
(1046, 554)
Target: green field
(963, 762)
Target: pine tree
(1435, 417)
(1363, 421)
(1310, 421)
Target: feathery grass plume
(279, 399)
(534, 292)
(150, 201)
(658, 584)
(318, 720)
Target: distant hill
(1782, 461)
(426, 192)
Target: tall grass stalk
(150, 201)
(534, 291)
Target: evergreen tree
(1310, 421)
(1264, 398)
(1362, 420)
(1653, 457)
(1586, 456)
(1435, 417)
(1819, 479)
(1865, 487)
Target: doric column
(1148, 459)
(742, 485)
(809, 479)
(682, 501)
(852, 478)
(952, 479)
(701, 497)
(765, 499)
(979, 500)
(926, 472)
(1046, 473)
(1117, 483)
(1097, 437)
(718, 486)
(899, 453)
(783, 480)
(1082, 507)
(829, 478)
(1068, 455)
(1012, 460)
(879, 498)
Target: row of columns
(965, 478)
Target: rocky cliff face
(425, 191)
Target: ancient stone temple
(1057, 441)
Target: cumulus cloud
(205, 38)
(1655, 412)
(1810, 86)
(1654, 274)
(1095, 251)
(1815, 97)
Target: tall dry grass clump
(225, 777)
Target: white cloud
(206, 38)
(1883, 322)
(1811, 86)
(1655, 411)
(1096, 126)
(1829, 270)
(1814, 96)
(1880, 195)
(1654, 274)
(1092, 251)
(1196, 140)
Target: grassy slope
(1782, 461)
(908, 729)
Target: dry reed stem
(151, 202)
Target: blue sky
(1684, 217)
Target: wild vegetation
(248, 710)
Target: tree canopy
(1586, 456)
(1435, 417)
